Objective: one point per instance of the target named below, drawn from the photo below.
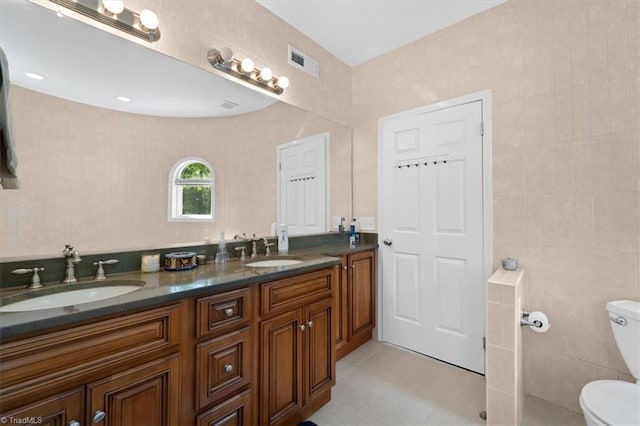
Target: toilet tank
(625, 323)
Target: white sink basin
(72, 297)
(272, 263)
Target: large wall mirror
(95, 173)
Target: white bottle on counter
(283, 239)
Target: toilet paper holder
(524, 320)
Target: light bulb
(283, 82)
(148, 19)
(226, 54)
(113, 6)
(266, 74)
(247, 65)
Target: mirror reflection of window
(192, 191)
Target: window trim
(175, 195)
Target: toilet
(614, 402)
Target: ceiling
(359, 30)
(104, 66)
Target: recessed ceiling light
(59, 14)
(123, 99)
(35, 75)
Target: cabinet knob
(228, 368)
(345, 267)
(228, 312)
(310, 324)
(301, 327)
(74, 423)
(99, 416)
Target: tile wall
(565, 80)
(504, 356)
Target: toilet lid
(612, 401)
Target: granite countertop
(165, 286)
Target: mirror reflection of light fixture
(245, 70)
(114, 14)
(247, 65)
(114, 7)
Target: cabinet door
(320, 353)
(145, 395)
(65, 409)
(281, 351)
(362, 294)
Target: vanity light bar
(223, 60)
(127, 20)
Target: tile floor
(380, 384)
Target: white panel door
(432, 217)
(302, 174)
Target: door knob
(387, 242)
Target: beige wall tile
(565, 167)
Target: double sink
(76, 294)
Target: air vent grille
(228, 104)
(303, 62)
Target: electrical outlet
(367, 224)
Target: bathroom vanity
(216, 345)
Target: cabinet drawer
(223, 367)
(235, 411)
(224, 312)
(67, 354)
(294, 292)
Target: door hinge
(280, 165)
(484, 343)
(482, 128)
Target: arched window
(191, 191)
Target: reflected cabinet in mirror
(100, 178)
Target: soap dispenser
(283, 239)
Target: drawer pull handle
(228, 312)
(228, 368)
(301, 327)
(74, 423)
(310, 324)
(99, 416)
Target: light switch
(367, 223)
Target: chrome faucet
(254, 246)
(72, 258)
(267, 247)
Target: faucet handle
(35, 278)
(100, 272)
(242, 255)
(267, 247)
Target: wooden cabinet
(356, 315)
(147, 395)
(65, 409)
(235, 411)
(297, 347)
(124, 370)
(224, 358)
